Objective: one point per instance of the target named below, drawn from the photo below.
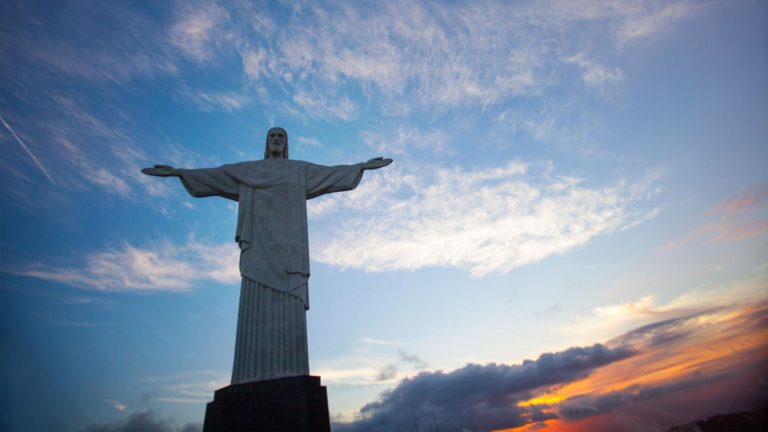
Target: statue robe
(274, 255)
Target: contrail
(29, 152)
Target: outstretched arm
(328, 179)
(376, 163)
(202, 182)
(161, 171)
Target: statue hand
(161, 171)
(376, 163)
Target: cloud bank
(480, 397)
(717, 356)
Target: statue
(271, 231)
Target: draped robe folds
(274, 253)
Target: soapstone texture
(271, 339)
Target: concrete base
(297, 403)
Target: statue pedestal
(296, 403)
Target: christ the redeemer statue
(271, 337)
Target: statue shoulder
(271, 165)
(239, 167)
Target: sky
(573, 234)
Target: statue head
(276, 146)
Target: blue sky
(565, 172)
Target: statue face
(276, 142)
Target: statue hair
(266, 143)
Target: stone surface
(274, 247)
(271, 387)
(286, 404)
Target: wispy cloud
(412, 55)
(742, 216)
(26, 149)
(113, 57)
(119, 406)
(654, 21)
(380, 342)
(85, 324)
(195, 29)
(215, 101)
(160, 267)
(405, 140)
(488, 220)
(594, 74)
(308, 141)
(318, 105)
(612, 318)
(188, 387)
(380, 367)
(89, 151)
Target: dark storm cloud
(143, 421)
(480, 397)
(588, 405)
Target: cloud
(643, 306)
(387, 373)
(381, 367)
(590, 405)
(414, 56)
(594, 74)
(656, 375)
(188, 387)
(321, 56)
(116, 404)
(662, 332)
(160, 267)
(480, 397)
(412, 359)
(85, 152)
(213, 101)
(488, 220)
(379, 342)
(741, 217)
(143, 421)
(714, 358)
(319, 105)
(308, 141)
(405, 140)
(613, 318)
(195, 28)
(85, 324)
(26, 149)
(391, 371)
(399, 49)
(652, 22)
(114, 57)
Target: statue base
(297, 403)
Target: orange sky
(707, 364)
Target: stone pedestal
(296, 403)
